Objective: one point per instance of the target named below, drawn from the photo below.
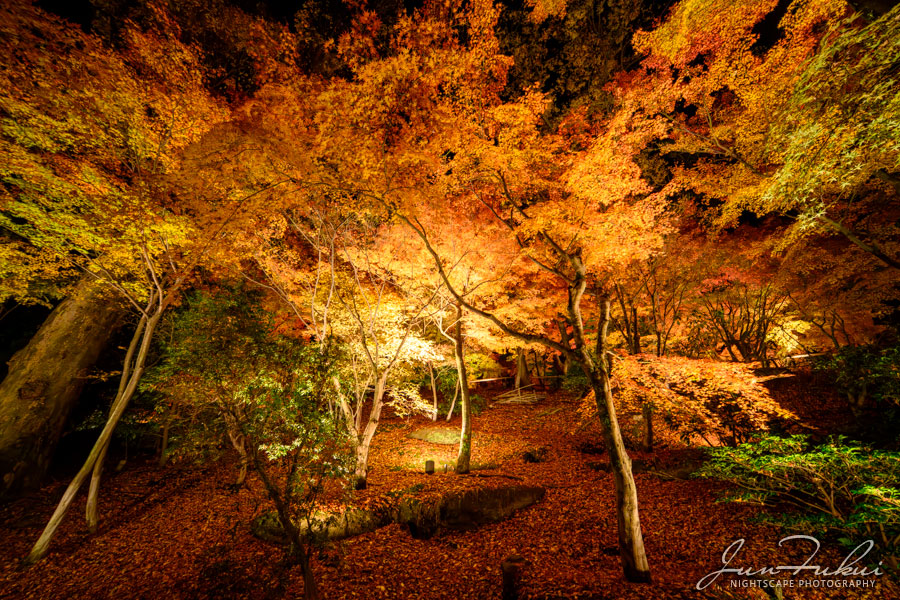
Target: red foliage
(179, 533)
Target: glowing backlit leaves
(87, 133)
(702, 400)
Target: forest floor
(182, 532)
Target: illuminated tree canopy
(298, 221)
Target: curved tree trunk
(133, 375)
(299, 550)
(90, 511)
(631, 540)
(465, 436)
(44, 381)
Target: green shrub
(478, 403)
(869, 377)
(576, 381)
(836, 487)
(866, 374)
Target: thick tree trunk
(465, 436)
(310, 588)
(44, 381)
(631, 541)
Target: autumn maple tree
(305, 217)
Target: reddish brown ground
(181, 533)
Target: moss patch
(436, 435)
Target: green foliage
(478, 365)
(478, 403)
(576, 381)
(837, 486)
(869, 377)
(131, 427)
(446, 379)
(226, 361)
(246, 380)
(192, 379)
(867, 372)
(90, 144)
(841, 122)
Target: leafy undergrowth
(183, 533)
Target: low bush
(869, 377)
(837, 487)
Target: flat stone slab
(466, 509)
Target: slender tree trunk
(465, 436)
(365, 440)
(631, 541)
(655, 319)
(630, 323)
(164, 445)
(871, 247)
(298, 550)
(45, 379)
(521, 368)
(92, 505)
(647, 414)
(453, 404)
(636, 341)
(539, 367)
(564, 338)
(434, 417)
(40, 548)
(94, 489)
